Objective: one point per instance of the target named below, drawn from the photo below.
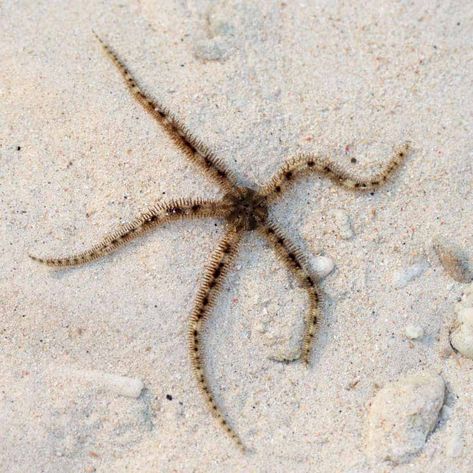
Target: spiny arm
(288, 252)
(220, 263)
(305, 164)
(191, 146)
(157, 215)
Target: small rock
(401, 416)
(343, 224)
(414, 332)
(461, 336)
(403, 277)
(453, 260)
(322, 266)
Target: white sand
(258, 83)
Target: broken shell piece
(286, 356)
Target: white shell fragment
(402, 415)
(453, 260)
(462, 335)
(322, 266)
(455, 443)
(343, 224)
(403, 277)
(121, 385)
(414, 332)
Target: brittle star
(242, 209)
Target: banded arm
(159, 214)
(305, 164)
(288, 252)
(191, 146)
(220, 263)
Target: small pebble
(403, 277)
(453, 260)
(402, 415)
(414, 332)
(343, 224)
(322, 266)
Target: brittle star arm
(220, 263)
(159, 214)
(305, 164)
(295, 261)
(191, 146)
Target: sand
(259, 82)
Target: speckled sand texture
(94, 370)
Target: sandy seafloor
(258, 81)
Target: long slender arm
(215, 273)
(295, 261)
(159, 214)
(305, 164)
(191, 146)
